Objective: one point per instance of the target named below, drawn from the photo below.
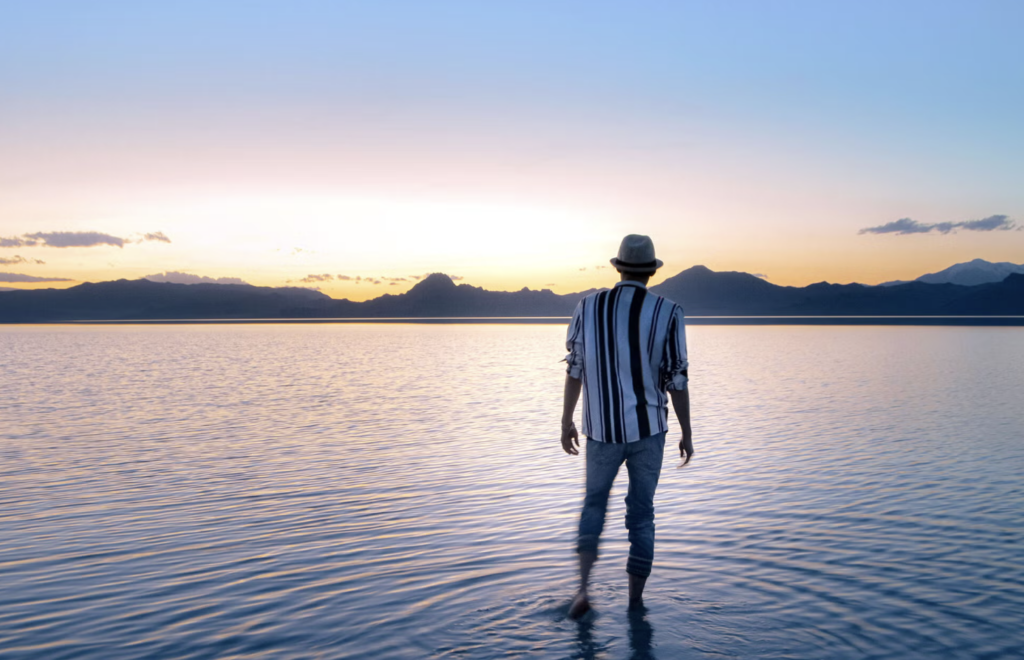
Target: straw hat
(636, 255)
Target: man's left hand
(686, 449)
(570, 436)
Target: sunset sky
(508, 143)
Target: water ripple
(393, 491)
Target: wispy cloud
(761, 275)
(360, 279)
(176, 277)
(68, 239)
(156, 236)
(18, 259)
(18, 277)
(65, 239)
(911, 226)
(325, 277)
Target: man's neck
(642, 280)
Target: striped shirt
(628, 346)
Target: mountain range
(701, 292)
(969, 273)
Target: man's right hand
(686, 449)
(569, 435)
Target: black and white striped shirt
(628, 346)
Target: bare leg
(581, 603)
(636, 590)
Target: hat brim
(624, 267)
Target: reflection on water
(394, 491)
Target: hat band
(646, 264)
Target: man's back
(627, 346)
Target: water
(398, 491)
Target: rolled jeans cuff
(638, 566)
(587, 543)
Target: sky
(356, 146)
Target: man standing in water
(627, 347)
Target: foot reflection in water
(587, 648)
(641, 635)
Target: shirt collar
(630, 283)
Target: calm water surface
(398, 491)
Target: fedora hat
(636, 255)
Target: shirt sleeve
(675, 365)
(574, 344)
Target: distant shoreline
(562, 320)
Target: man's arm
(681, 403)
(572, 395)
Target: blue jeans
(643, 463)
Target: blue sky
(510, 142)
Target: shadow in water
(587, 648)
(641, 634)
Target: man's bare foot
(580, 605)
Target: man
(627, 347)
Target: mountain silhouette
(968, 273)
(146, 300)
(437, 295)
(701, 292)
(705, 292)
(972, 273)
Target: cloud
(63, 239)
(393, 283)
(457, 278)
(326, 277)
(344, 277)
(66, 239)
(910, 226)
(18, 259)
(175, 277)
(584, 268)
(761, 275)
(156, 236)
(18, 277)
(991, 223)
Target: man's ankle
(636, 589)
